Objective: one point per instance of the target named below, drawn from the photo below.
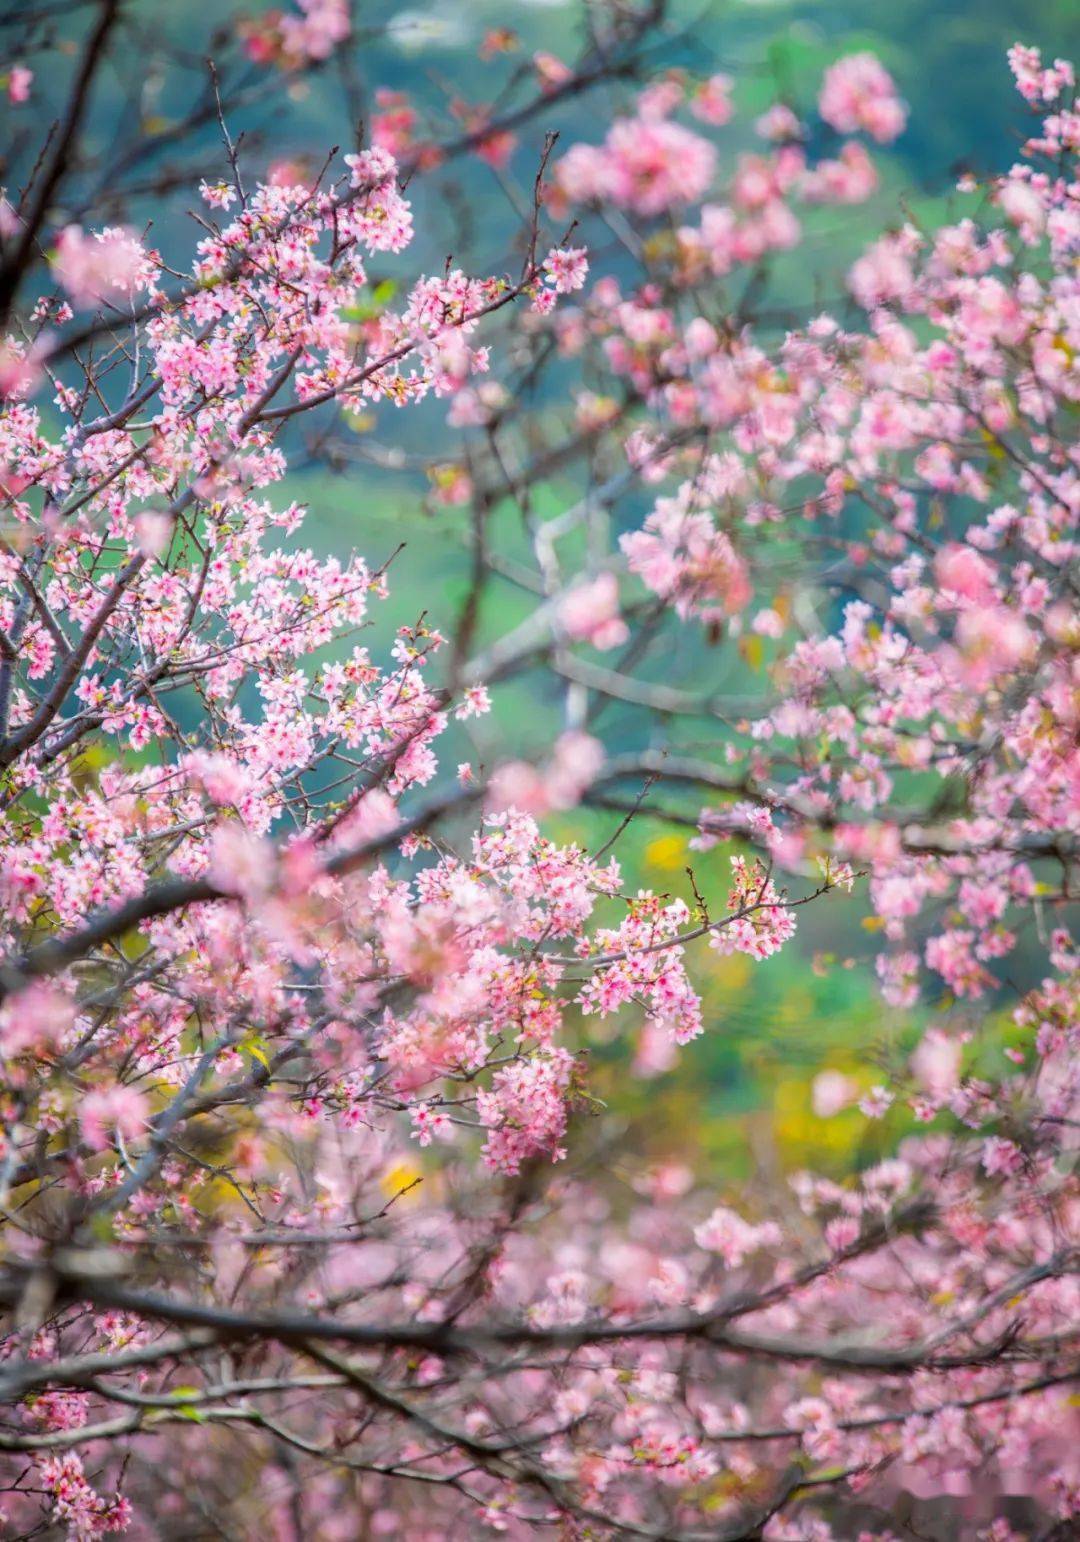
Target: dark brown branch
(15, 263)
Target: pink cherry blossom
(857, 94)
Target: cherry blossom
(306, 1040)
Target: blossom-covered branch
(302, 1153)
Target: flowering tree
(260, 951)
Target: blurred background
(739, 1101)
